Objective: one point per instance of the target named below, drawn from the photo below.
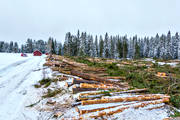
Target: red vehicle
(47, 53)
(37, 53)
(23, 55)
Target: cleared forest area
(96, 88)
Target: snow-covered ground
(17, 76)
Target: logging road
(17, 76)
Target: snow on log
(113, 93)
(90, 97)
(93, 93)
(85, 111)
(136, 106)
(124, 99)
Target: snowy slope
(17, 76)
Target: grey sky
(39, 19)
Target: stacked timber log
(96, 78)
(98, 97)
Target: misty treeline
(83, 44)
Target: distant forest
(83, 44)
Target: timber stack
(101, 97)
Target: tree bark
(144, 104)
(95, 78)
(102, 86)
(78, 81)
(124, 99)
(76, 90)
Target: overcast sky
(39, 19)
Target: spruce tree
(119, 48)
(137, 51)
(106, 52)
(96, 47)
(125, 47)
(101, 46)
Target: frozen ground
(17, 76)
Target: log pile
(96, 78)
(103, 94)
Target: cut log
(95, 78)
(124, 99)
(90, 97)
(121, 109)
(117, 78)
(77, 90)
(86, 96)
(156, 107)
(129, 91)
(102, 86)
(93, 93)
(78, 81)
(76, 104)
(63, 78)
(74, 64)
(58, 114)
(55, 68)
(100, 109)
(48, 63)
(113, 93)
(64, 72)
